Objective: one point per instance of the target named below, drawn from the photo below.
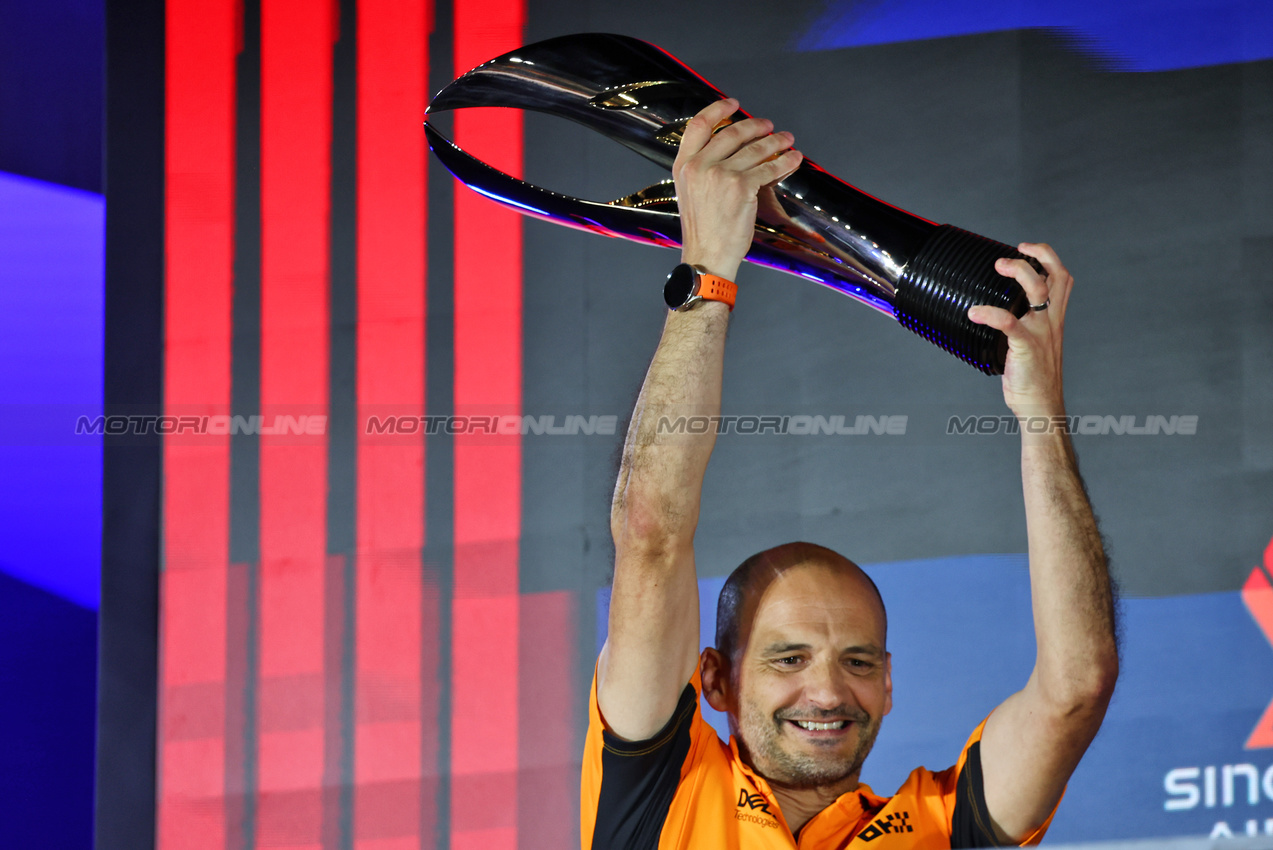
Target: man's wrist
(1043, 404)
(713, 265)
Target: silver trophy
(812, 224)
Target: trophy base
(952, 271)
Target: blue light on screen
(1135, 35)
(52, 297)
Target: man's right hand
(717, 179)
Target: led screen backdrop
(309, 693)
(51, 368)
(381, 606)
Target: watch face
(679, 286)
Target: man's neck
(799, 805)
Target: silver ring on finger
(1039, 308)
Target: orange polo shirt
(683, 788)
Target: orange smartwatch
(688, 285)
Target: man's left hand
(1032, 374)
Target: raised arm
(652, 647)
(1034, 740)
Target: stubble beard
(762, 737)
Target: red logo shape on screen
(1257, 593)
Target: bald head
(747, 584)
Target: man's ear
(714, 673)
(888, 682)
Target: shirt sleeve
(627, 786)
(965, 801)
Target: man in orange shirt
(801, 665)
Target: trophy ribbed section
(955, 270)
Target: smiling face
(810, 681)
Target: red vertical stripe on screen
(296, 92)
(488, 377)
(548, 779)
(199, 212)
(393, 632)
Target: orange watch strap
(713, 288)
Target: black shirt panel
(639, 780)
(970, 823)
